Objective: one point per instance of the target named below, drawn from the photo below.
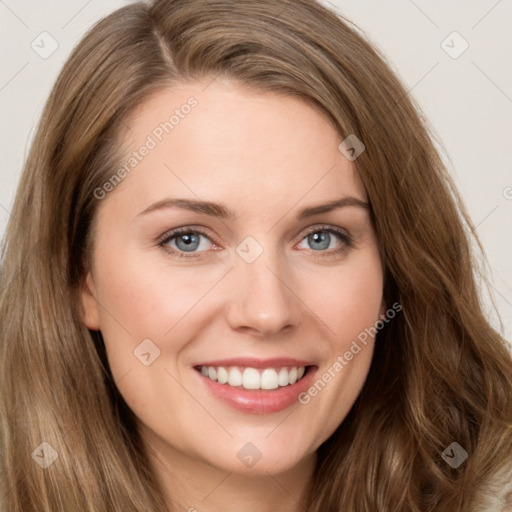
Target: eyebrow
(223, 212)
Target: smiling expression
(230, 269)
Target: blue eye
(186, 242)
(190, 242)
(320, 238)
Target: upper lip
(251, 362)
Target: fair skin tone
(266, 157)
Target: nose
(262, 301)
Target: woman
(238, 277)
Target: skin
(265, 156)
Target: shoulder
(495, 494)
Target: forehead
(224, 142)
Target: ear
(91, 317)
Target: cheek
(153, 301)
(348, 303)
(347, 299)
(148, 299)
(141, 302)
(356, 307)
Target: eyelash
(347, 241)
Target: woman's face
(263, 284)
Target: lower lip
(260, 401)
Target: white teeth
(269, 379)
(251, 378)
(282, 378)
(235, 377)
(222, 375)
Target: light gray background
(467, 99)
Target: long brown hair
(440, 373)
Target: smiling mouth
(252, 378)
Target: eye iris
(191, 242)
(324, 239)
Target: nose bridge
(262, 299)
